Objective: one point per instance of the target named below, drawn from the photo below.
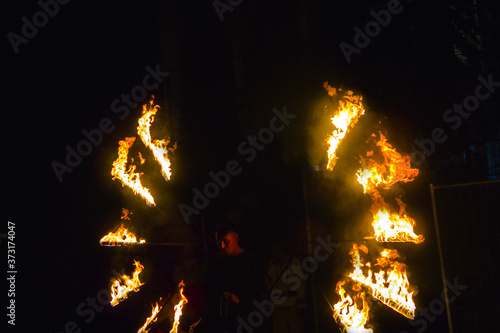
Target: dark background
(225, 78)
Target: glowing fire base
(406, 310)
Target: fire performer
(239, 280)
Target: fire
(178, 308)
(395, 168)
(120, 237)
(158, 147)
(125, 213)
(390, 226)
(144, 328)
(143, 160)
(128, 176)
(120, 290)
(344, 119)
(346, 311)
(391, 285)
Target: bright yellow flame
(158, 147)
(391, 285)
(344, 119)
(128, 176)
(395, 168)
(347, 313)
(390, 226)
(121, 289)
(144, 328)
(178, 308)
(120, 237)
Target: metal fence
(467, 221)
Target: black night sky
(218, 83)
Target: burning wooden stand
(403, 308)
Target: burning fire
(193, 326)
(125, 213)
(390, 226)
(120, 237)
(144, 328)
(391, 285)
(158, 147)
(120, 290)
(178, 308)
(344, 119)
(346, 311)
(395, 168)
(128, 176)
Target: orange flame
(158, 147)
(144, 328)
(347, 314)
(125, 213)
(390, 226)
(178, 308)
(128, 176)
(120, 237)
(142, 159)
(395, 168)
(391, 285)
(344, 119)
(119, 291)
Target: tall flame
(121, 289)
(395, 168)
(128, 176)
(178, 308)
(347, 313)
(120, 237)
(344, 119)
(158, 147)
(149, 320)
(390, 226)
(391, 285)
